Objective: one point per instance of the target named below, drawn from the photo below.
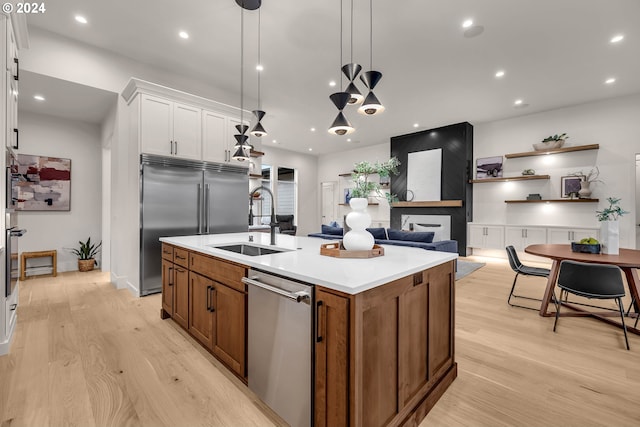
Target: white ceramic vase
(585, 190)
(358, 238)
(610, 237)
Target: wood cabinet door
(229, 334)
(214, 134)
(156, 125)
(181, 296)
(332, 360)
(167, 287)
(200, 308)
(187, 132)
(441, 313)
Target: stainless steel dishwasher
(280, 331)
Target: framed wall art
(489, 167)
(570, 185)
(40, 183)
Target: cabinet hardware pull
(176, 145)
(212, 309)
(170, 276)
(17, 62)
(318, 311)
(179, 270)
(12, 307)
(417, 279)
(17, 132)
(180, 257)
(208, 298)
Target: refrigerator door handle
(206, 206)
(199, 215)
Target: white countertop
(304, 262)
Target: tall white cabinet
(10, 71)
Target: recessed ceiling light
(415, 125)
(183, 35)
(518, 102)
(313, 129)
(38, 97)
(332, 83)
(81, 19)
(259, 67)
(310, 149)
(274, 141)
(617, 38)
(500, 74)
(467, 23)
(610, 81)
(348, 139)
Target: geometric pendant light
(242, 145)
(351, 70)
(258, 130)
(341, 125)
(371, 105)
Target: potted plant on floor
(609, 227)
(86, 254)
(358, 238)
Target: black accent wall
(456, 142)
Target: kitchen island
(383, 333)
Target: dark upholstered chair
(599, 281)
(285, 222)
(519, 269)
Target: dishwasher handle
(300, 296)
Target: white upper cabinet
(214, 137)
(168, 128)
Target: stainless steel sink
(251, 250)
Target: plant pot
(610, 237)
(86, 264)
(549, 145)
(585, 190)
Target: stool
(40, 254)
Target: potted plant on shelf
(609, 227)
(551, 142)
(86, 254)
(358, 238)
(588, 179)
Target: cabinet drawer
(167, 252)
(220, 271)
(181, 257)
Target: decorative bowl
(585, 248)
(549, 145)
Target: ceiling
(554, 54)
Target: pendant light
(340, 125)
(258, 130)
(242, 146)
(351, 70)
(371, 105)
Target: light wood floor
(85, 354)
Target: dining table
(627, 259)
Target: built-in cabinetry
(520, 237)
(206, 296)
(486, 236)
(563, 235)
(173, 123)
(384, 356)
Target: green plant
(611, 213)
(592, 176)
(555, 137)
(87, 250)
(363, 187)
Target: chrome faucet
(273, 223)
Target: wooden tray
(338, 251)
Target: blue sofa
(388, 236)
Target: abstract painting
(40, 183)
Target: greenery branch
(363, 186)
(592, 176)
(555, 137)
(613, 212)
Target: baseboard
(131, 288)
(5, 345)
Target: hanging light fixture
(351, 70)
(242, 146)
(340, 125)
(258, 130)
(371, 105)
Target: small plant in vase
(588, 179)
(86, 254)
(358, 238)
(551, 142)
(609, 227)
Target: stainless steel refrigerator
(185, 197)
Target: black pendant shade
(371, 78)
(249, 4)
(242, 153)
(259, 114)
(240, 140)
(341, 125)
(351, 70)
(242, 128)
(355, 97)
(371, 105)
(258, 130)
(340, 99)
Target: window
(285, 189)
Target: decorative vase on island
(358, 238)
(610, 237)
(585, 190)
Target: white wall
(80, 142)
(612, 123)
(333, 164)
(308, 190)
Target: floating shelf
(510, 178)
(434, 204)
(369, 204)
(255, 153)
(554, 151)
(555, 201)
(255, 175)
(345, 174)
